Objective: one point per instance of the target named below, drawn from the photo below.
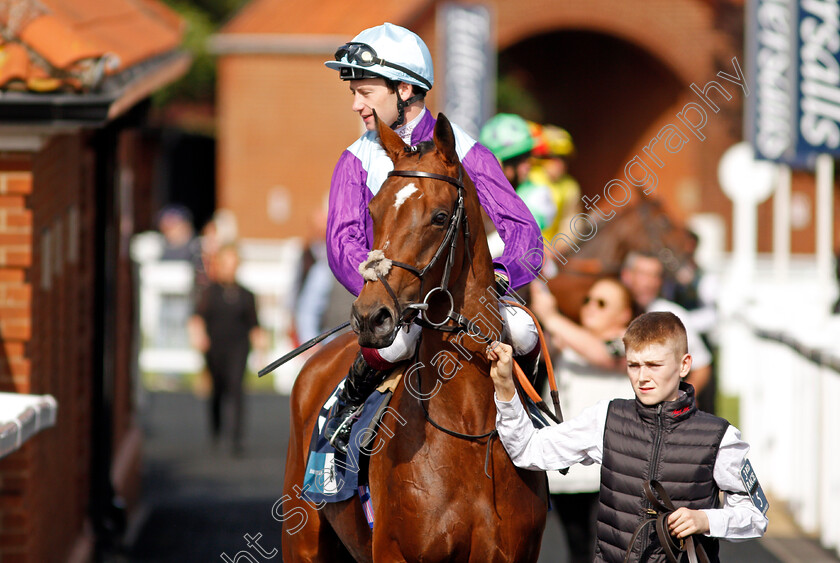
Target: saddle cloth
(332, 476)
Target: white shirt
(582, 385)
(581, 440)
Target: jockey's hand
(684, 522)
(501, 369)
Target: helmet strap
(401, 105)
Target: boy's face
(655, 372)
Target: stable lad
(659, 436)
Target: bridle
(414, 312)
(457, 219)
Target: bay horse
(431, 495)
(644, 226)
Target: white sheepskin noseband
(376, 263)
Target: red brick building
(613, 73)
(74, 176)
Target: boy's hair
(656, 328)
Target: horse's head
(422, 216)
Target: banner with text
(792, 50)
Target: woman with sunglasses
(389, 70)
(591, 367)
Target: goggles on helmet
(364, 55)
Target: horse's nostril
(382, 319)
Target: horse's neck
(464, 400)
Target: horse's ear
(389, 139)
(445, 140)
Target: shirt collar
(406, 130)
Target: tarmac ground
(200, 501)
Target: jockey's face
(372, 94)
(655, 372)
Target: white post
(781, 224)
(824, 226)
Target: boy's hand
(501, 368)
(684, 522)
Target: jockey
(550, 168)
(510, 138)
(389, 70)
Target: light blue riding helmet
(386, 51)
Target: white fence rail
(780, 354)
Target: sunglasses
(364, 55)
(600, 302)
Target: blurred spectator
(219, 231)
(643, 275)
(175, 223)
(509, 138)
(696, 291)
(224, 328)
(322, 303)
(590, 367)
(549, 168)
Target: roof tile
(64, 40)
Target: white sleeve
(738, 519)
(579, 440)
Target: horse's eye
(439, 218)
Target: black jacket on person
(671, 442)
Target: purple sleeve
(522, 258)
(349, 228)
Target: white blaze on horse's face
(404, 194)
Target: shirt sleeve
(522, 258)
(738, 519)
(348, 222)
(578, 440)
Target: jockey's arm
(522, 257)
(347, 222)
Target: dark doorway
(605, 91)
(186, 173)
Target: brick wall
(48, 212)
(15, 333)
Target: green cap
(507, 136)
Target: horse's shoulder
(321, 373)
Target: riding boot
(360, 383)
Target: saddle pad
(332, 476)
